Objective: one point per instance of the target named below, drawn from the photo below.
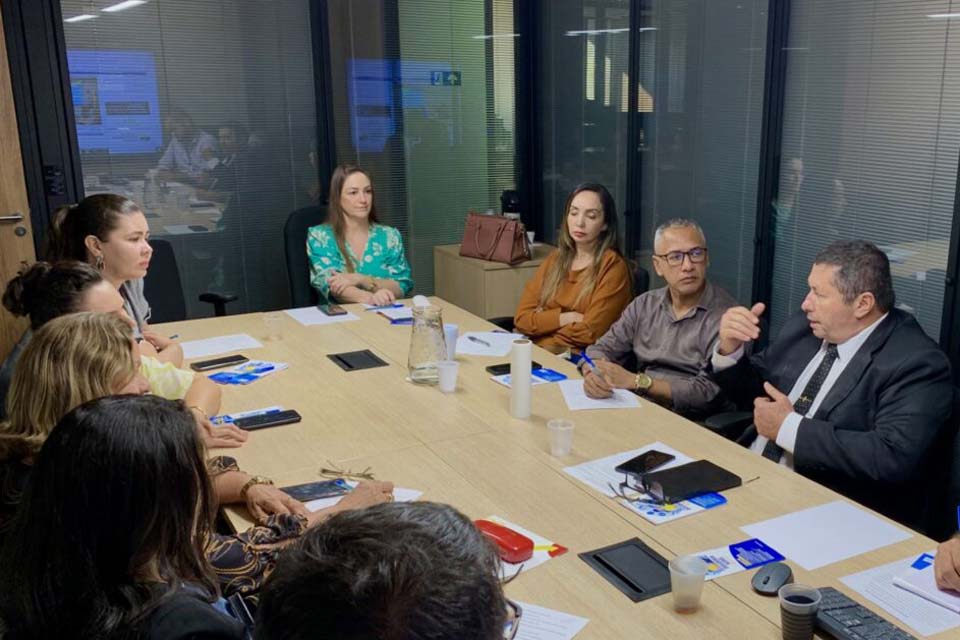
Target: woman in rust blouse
(581, 288)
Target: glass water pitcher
(427, 345)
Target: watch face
(645, 381)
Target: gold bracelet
(252, 481)
(200, 409)
(373, 285)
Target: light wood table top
(465, 449)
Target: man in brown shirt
(671, 331)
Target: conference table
(467, 450)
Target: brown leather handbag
(495, 238)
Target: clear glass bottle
(427, 345)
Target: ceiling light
(943, 15)
(80, 18)
(120, 6)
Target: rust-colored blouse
(600, 309)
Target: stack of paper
(923, 582)
(877, 585)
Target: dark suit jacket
(873, 437)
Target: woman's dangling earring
(99, 263)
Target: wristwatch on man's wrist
(253, 481)
(642, 382)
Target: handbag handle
(493, 247)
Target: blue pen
(395, 305)
(593, 365)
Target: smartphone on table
(504, 368)
(316, 490)
(332, 309)
(644, 463)
(217, 363)
(264, 420)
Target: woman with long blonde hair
(354, 258)
(583, 286)
(83, 356)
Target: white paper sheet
(876, 585)
(540, 623)
(399, 495)
(600, 473)
(308, 316)
(541, 549)
(829, 533)
(923, 583)
(497, 344)
(221, 344)
(577, 398)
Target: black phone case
(356, 360)
(689, 480)
(218, 363)
(504, 368)
(268, 420)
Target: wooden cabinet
(486, 289)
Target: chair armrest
(730, 424)
(504, 322)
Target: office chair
(943, 474)
(302, 293)
(163, 288)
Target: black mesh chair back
(162, 287)
(302, 294)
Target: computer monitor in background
(115, 101)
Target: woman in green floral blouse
(353, 258)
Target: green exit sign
(445, 78)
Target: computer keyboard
(842, 617)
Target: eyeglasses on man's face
(675, 258)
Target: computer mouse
(768, 580)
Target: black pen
(478, 341)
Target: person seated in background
(189, 151)
(671, 331)
(582, 286)
(946, 564)
(46, 291)
(399, 570)
(111, 233)
(83, 356)
(127, 558)
(851, 393)
(354, 258)
(233, 165)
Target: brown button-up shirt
(677, 350)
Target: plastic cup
(798, 611)
(531, 235)
(686, 581)
(447, 373)
(561, 437)
(450, 334)
(273, 325)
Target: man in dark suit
(852, 393)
